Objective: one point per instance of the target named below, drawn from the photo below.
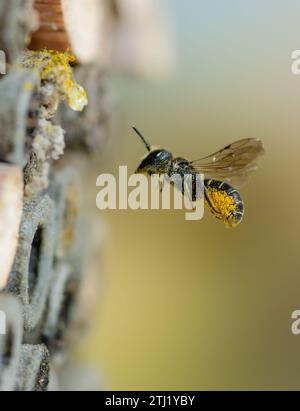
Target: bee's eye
(158, 156)
(155, 159)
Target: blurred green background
(192, 305)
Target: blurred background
(192, 305)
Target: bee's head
(156, 162)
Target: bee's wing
(234, 163)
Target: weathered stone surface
(18, 20)
(34, 368)
(32, 270)
(18, 114)
(11, 204)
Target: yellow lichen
(223, 204)
(28, 86)
(55, 67)
(77, 97)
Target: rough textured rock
(18, 114)
(32, 271)
(11, 204)
(34, 368)
(18, 20)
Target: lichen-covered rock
(48, 145)
(48, 139)
(57, 77)
(34, 368)
(18, 114)
(32, 269)
(64, 191)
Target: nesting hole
(8, 348)
(65, 315)
(34, 262)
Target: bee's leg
(161, 185)
(188, 192)
(162, 182)
(194, 190)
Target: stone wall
(44, 122)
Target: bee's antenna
(142, 138)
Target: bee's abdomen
(224, 202)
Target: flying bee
(224, 171)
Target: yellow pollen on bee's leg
(223, 205)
